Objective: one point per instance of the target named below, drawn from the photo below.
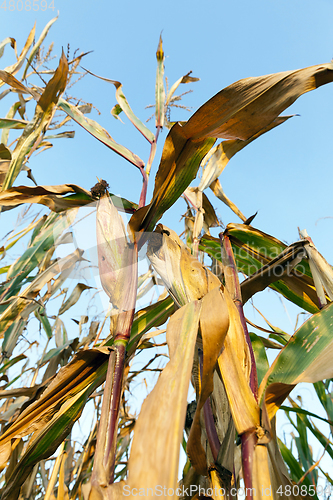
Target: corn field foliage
(49, 379)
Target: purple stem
(248, 444)
(111, 444)
(108, 426)
(143, 194)
(212, 436)
(249, 438)
(102, 433)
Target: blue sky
(286, 175)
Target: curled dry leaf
(184, 276)
(99, 132)
(235, 366)
(74, 297)
(214, 323)
(55, 197)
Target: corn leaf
(144, 319)
(282, 486)
(117, 261)
(20, 60)
(17, 85)
(179, 164)
(37, 45)
(184, 79)
(63, 401)
(155, 450)
(13, 124)
(260, 356)
(159, 86)
(43, 114)
(252, 250)
(4, 42)
(248, 106)
(214, 323)
(235, 365)
(54, 197)
(184, 276)
(261, 477)
(125, 107)
(99, 132)
(226, 150)
(219, 193)
(15, 316)
(74, 297)
(305, 358)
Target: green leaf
(99, 133)
(41, 316)
(179, 164)
(184, 79)
(306, 358)
(147, 318)
(125, 107)
(14, 68)
(52, 229)
(260, 356)
(254, 249)
(302, 411)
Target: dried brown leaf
(246, 107)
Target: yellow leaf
(155, 449)
(214, 323)
(249, 105)
(262, 486)
(235, 366)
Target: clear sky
(286, 175)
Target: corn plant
(229, 430)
